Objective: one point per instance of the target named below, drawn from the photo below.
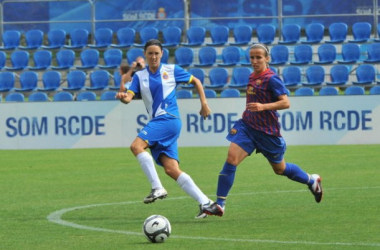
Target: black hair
(154, 42)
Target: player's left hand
(205, 111)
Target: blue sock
(225, 182)
(295, 173)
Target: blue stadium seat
(365, 74)
(290, 34)
(51, 81)
(65, 59)
(210, 93)
(303, 54)
(33, 39)
(89, 59)
(165, 55)
(354, 90)
(125, 38)
(76, 80)
(103, 38)
(337, 32)
(326, 54)
(19, 60)
(86, 96)
(375, 90)
(350, 53)
(56, 39)
(218, 78)
(11, 40)
(373, 53)
(184, 56)
(199, 73)
(195, 36)
(279, 55)
(328, 90)
(361, 32)
(246, 61)
(266, 33)
(3, 59)
(229, 93)
(112, 59)
(291, 76)
(240, 77)
(28, 81)
(99, 80)
(133, 53)
(230, 56)
(314, 33)
(7, 81)
(108, 96)
(116, 80)
(172, 36)
(38, 97)
(78, 39)
(339, 75)
(15, 97)
(63, 97)
(242, 35)
(206, 56)
(184, 94)
(42, 60)
(146, 34)
(219, 35)
(315, 75)
(304, 91)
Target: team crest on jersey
(258, 82)
(233, 131)
(165, 76)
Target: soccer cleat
(201, 214)
(316, 188)
(214, 209)
(156, 194)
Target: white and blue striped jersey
(158, 90)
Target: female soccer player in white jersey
(156, 84)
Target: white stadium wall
(314, 120)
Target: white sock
(147, 165)
(188, 185)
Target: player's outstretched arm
(205, 109)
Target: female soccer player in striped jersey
(156, 84)
(259, 130)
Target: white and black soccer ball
(157, 228)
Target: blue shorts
(161, 134)
(249, 139)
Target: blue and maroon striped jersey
(264, 88)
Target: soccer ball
(157, 228)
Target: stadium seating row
(196, 36)
(65, 59)
(61, 96)
(181, 94)
(184, 57)
(218, 78)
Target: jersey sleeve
(134, 86)
(277, 86)
(181, 75)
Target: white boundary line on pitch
(55, 217)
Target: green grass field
(92, 199)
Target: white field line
(55, 217)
